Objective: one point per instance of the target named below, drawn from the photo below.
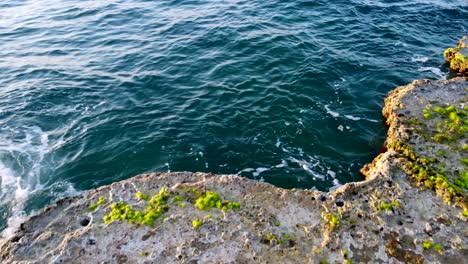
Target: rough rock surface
(458, 57)
(388, 218)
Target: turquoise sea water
(289, 92)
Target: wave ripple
(93, 92)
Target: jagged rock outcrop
(458, 57)
(410, 209)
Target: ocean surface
(287, 92)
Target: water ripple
(93, 92)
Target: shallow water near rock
(290, 93)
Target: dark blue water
(288, 92)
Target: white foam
(331, 173)
(282, 164)
(435, 71)
(259, 170)
(246, 170)
(355, 118)
(352, 117)
(278, 143)
(336, 185)
(308, 168)
(7, 177)
(255, 172)
(27, 147)
(330, 112)
(348, 116)
(419, 58)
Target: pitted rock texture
(388, 218)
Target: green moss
(439, 248)
(332, 221)
(345, 253)
(428, 113)
(452, 126)
(208, 200)
(155, 207)
(100, 201)
(385, 207)
(92, 207)
(429, 173)
(462, 181)
(196, 223)
(465, 161)
(465, 213)
(270, 239)
(427, 245)
(141, 196)
(277, 223)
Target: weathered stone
(384, 219)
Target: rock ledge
(399, 214)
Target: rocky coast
(411, 208)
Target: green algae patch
(141, 196)
(331, 221)
(208, 200)
(453, 124)
(426, 173)
(388, 206)
(427, 245)
(155, 207)
(446, 125)
(100, 201)
(197, 223)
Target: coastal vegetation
(457, 57)
(157, 205)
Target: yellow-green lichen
(459, 63)
(100, 201)
(427, 245)
(388, 206)
(332, 221)
(196, 223)
(450, 53)
(155, 207)
(141, 196)
(209, 200)
(426, 173)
